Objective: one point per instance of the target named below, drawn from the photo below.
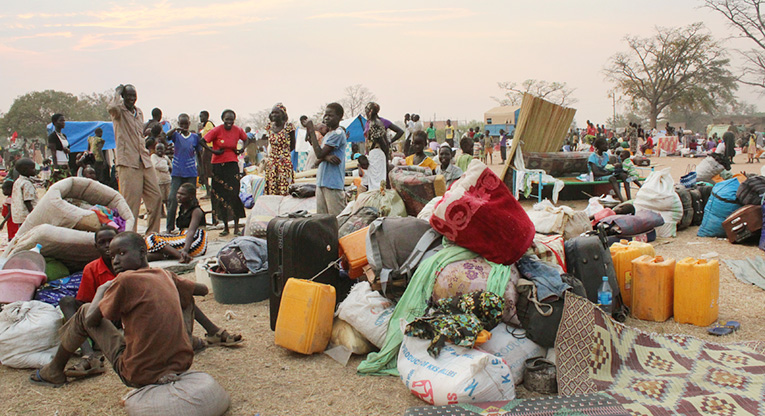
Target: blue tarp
(77, 132)
(354, 127)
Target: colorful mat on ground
(578, 405)
(651, 374)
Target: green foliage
(30, 113)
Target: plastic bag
(458, 375)
(511, 345)
(658, 194)
(195, 394)
(593, 207)
(28, 334)
(367, 311)
(387, 201)
(344, 334)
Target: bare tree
(257, 120)
(745, 16)
(356, 97)
(670, 66)
(555, 92)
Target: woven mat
(652, 374)
(578, 405)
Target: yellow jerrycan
(653, 287)
(622, 254)
(697, 291)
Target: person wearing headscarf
(281, 138)
(378, 147)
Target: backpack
(395, 247)
(751, 192)
(541, 319)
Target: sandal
(726, 329)
(223, 233)
(88, 366)
(224, 339)
(36, 378)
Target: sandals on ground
(36, 378)
(224, 339)
(727, 329)
(86, 367)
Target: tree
(257, 121)
(356, 97)
(30, 113)
(745, 16)
(672, 65)
(554, 92)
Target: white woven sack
(458, 375)
(29, 334)
(195, 394)
(367, 311)
(658, 194)
(512, 345)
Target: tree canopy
(676, 64)
(30, 113)
(745, 16)
(356, 97)
(554, 92)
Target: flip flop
(223, 233)
(733, 325)
(79, 371)
(223, 338)
(36, 378)
(719, 330)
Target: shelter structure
(503, 117)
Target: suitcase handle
(276, 288)
(738, 227)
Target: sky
(441, 59)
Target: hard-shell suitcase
(685, 198)
(743, 224)
(698, 206)
(302, 245)
(589, 259)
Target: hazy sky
(440, 58)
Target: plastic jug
(697, 291)
(653, 286)
(305, 317)
(622, 254)
(353, 250)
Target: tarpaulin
(77, 132)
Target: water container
(653, 287)
(19, 284)
(622, 254)
(697, 291)
(353, 250)
(305, 317)
(605, 296)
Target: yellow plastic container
(697, 291)
(653, 286)
(305, 317)
(622, 254)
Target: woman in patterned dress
(281, 138)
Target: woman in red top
(225, 169)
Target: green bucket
(240, 288)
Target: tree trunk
(653, 115)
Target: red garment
(13, 228)
(226, 140)
(592, 131)
(94, 275)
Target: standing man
(449, 133)
(503, 145)
(408, 127)
(156, 118)
(205, 157)
(137, 177)
(729, 138)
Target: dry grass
(266, 379)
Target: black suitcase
(301, 245)
(698, 206)
(688, 211)
(589, 259)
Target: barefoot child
(418, 156)
(24, 195)
(12, 226)
(192, 241)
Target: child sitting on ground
(24, 194)
(418, 157)
(12, 226)
(149, 302)
(451, 172)
(466, 145)
(629, 168)
(192, 240)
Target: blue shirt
(186, 148)
(329, 175)
(598, 161)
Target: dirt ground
(268, 380)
